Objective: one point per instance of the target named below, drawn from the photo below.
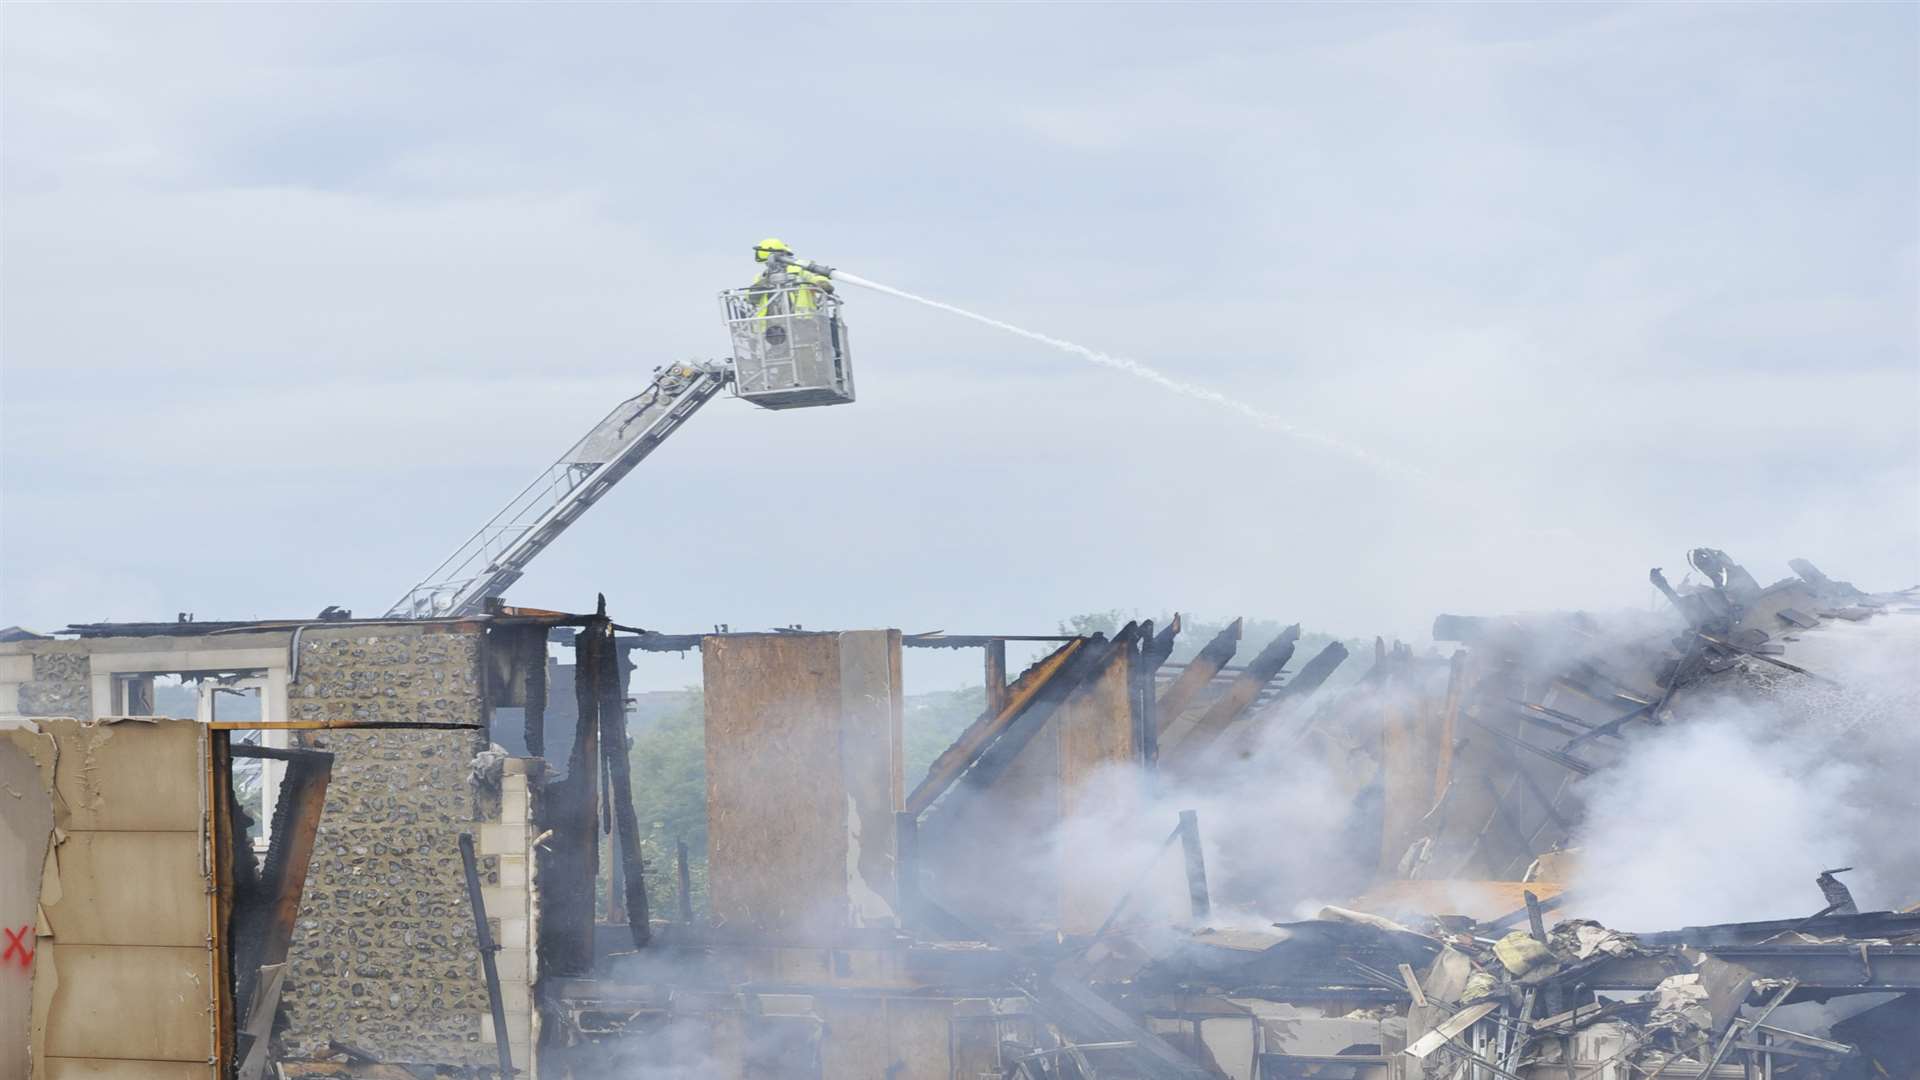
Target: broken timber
(1198, 673)
(1227, 708)
(1023, 694)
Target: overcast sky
(296, 296)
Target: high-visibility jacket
(803, 288)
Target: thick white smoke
(1286, 821)
(1761, 782)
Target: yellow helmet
(767, 247)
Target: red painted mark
(18, 942)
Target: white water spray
(1141, 371)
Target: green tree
(669, 763)
(932, 722)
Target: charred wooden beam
(1199, 672)
(1229, 706)
(1086, 665)
(1308, 679)
(1565, 761)
(1021, 696)
(996, 675)
(1196, 864)
(1154, 650)
(612, 694)
(1088, 1017)
(483, 939)
(685, 881)
(1159, 645)
(536, 707)
(1556, 714)
(265, 917)
(568, 862)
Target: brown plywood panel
(130, 1002)
(131, 775)
(1096, 730)
(107, 1069)
(869, 750)
(777, 808)
(802, 735)
(26, 824)
(130, 888)
(1096, 749)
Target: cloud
(1623, 280)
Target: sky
(293, 298)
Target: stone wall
(383, 954)
(46, 678)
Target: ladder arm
(496, 556)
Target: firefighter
(782, 271)
(787, 286)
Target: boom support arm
(496, 556)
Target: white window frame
(110, 670)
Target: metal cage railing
(790, 345)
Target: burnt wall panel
(383, 954)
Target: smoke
(1138, 370)
(1762, 781)
(1271, 848)
(1287, 812)
(666, 1041)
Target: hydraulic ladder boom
(498, 554)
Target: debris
(1451, 1028)
(1469, 954)
(1680, 1005)
(1839, 897)
(1339, 914)
(1519, 953)
(1584, 937)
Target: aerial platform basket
(789, 346)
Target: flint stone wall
(61, 684)
(383, 953)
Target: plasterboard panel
(130, 1002)
(130, 888)
(147, 781)
(107, 1069)
(26, 823)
